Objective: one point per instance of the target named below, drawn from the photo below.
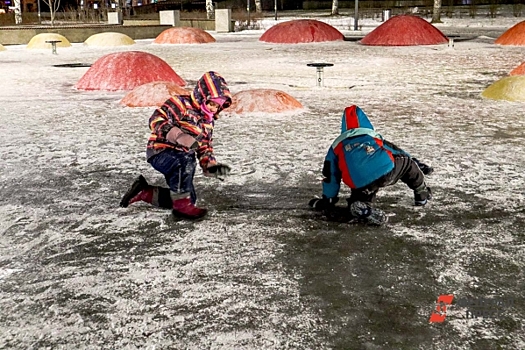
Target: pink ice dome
(263, 100)
(301, 31)
(405, 30)
(127, 70)
(184, 35)
(152, 94)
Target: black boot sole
(138, 185)
(188, 217)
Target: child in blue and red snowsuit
(365, 162)
(181, 133)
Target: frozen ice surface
(262, 271)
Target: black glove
(425, 169)
(323, 204)
(218, 170)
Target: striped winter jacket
(184, 112)
(359, 156)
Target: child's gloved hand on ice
(217, 170)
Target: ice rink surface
(262, 271)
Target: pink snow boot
(186, 209)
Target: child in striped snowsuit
(181, 134)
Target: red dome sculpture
(126, 71)
(263, 100)
(405, 30)
(184, 35)
(519, 70)
(513, 36)
(152, 94)
(301, 31)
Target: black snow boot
(422, 195)
(425, 169)
(365, 213)
(139, 185)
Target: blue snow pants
(178, 169)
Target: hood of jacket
(210, 85)
(355, 118)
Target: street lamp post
(248, 9)
(356, 12)
(275, 7)
(39, 18)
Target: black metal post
(356, 14)
(248, 9)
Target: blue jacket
(359, 156)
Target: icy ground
(262, 271)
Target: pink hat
(222, 101)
